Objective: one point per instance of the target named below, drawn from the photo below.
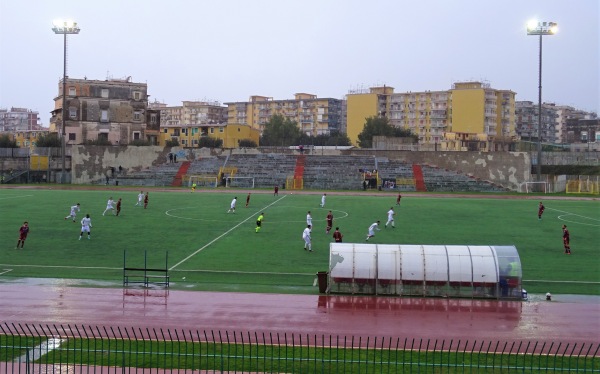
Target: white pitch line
(550, 281)
(222, 235)
(5, 271)
(573, 214)
(14, 197)
(62, 267)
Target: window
(212, 130)
(104, 93)
(184, 142)
(104, 115)
(153, 119)
(72, 136)
(221, 129)
(72, 91)
(165, 131)
(137, 115)
(103, 136)
(136, 135)
(72, 112)
(137, 95)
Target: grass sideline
(212, 250)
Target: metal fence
(100, 349)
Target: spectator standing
(170, 157)
(23, 231)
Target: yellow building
(361, 105)
(28, 138)
(314, 116)
(189, 135)
(470, 116)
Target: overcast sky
(227, 50)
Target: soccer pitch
(210, 249)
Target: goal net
(240, 182)
(201, 181)
(534, 187)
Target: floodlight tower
(64, 27)
(535, 27)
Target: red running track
(567, 320)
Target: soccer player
(140, 201)
(86, 224)
(372, 228)
(276, 191)
(329, 220)
(23, 231)
(337, 235)
(110, 205)
(146, 200)
(306, 238)
(248, 200)
(259, 221)
(309, 218)
(118, 207)
(73, 213)
(541, 209)
(566, 240)
(232, 206)
(193, 187)
(398, 199)
(323, 200)
(390, 219)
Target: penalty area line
(5, 271)
(222, 235)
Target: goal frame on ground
(233, 182)
(525, 187)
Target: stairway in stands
(419, 180)
(299, 172)
(178, 180)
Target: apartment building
(469, 116)
(314, 115)
(114, 109)
(18, 119)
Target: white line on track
(5, 271)
(222, 235)
(14, 197)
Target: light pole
(64, 28)
(540, 28)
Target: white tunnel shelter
(481, 271)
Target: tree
(247, 143)
(335, 138)
(208, 142)
(50, 140)
(140, 143)
(374, 126)
(405, 133)
(7, 142)
(280, 131)
(172, 143)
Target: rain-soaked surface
(567, 318)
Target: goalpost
(534, 187)
(241, 182)
(201, 181)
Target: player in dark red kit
(566, 240)
(398, 199)
(118, 207)
(276, 191)
(337, 235)
(248, 199)
(329, 220)
(23, 231)
(541, 209)
(146, 200)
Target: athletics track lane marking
(223, 234)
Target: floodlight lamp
(532, 24)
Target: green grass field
(209, 249)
